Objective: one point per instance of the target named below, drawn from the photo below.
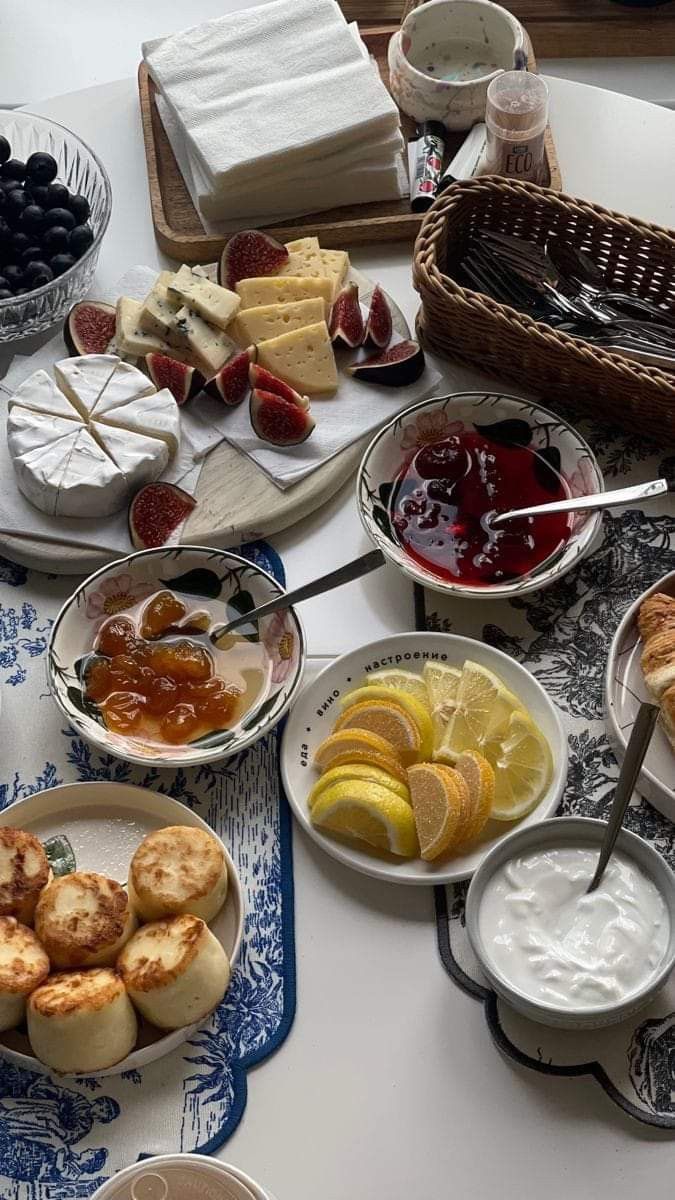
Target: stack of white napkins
(275, 111)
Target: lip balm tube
(429, 149)
(467, 158)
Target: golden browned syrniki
(175, 971)
(84, 920)
(24, 872)
(81, 1020)
(176, 870)
(23, 966)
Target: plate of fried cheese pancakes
(121, 918)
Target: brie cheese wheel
(178, 870)
(83, 920)
(175, 971)
(82, 449)
(303, 358)
(24, 873)
(23, 967)
(81, 1021)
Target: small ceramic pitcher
(444, 56)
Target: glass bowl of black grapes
(55, 203)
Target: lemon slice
(522, 765)
(390, 721)
(418, 713)
(441, 683)
(480, 780)
(363, 771)
(387, 764)
(404, 681)
(369, 813)
(353, 741)
(437, 807)
(483, 709)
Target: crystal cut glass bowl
(82, 172)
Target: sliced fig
(278, 422)
(264, 380)
(401, 364)
(157, 511)
(231, 382)
(183, 381)
(250, 253)
(378, 325)
(89, 327)
(346, 318)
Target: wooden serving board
(180, 233)
(236, 502)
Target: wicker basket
(468, 326)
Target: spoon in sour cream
(630, 769)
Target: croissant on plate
(656, 622)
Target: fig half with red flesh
(397, 366)
(379, 325)
(156, 512)
(265, 381)
(249, 254)
(231, 384)
(89, 327)
(278, 422)
(183, 381)
(346, 319)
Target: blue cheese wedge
(253, 325)
(282, 289)
(209, 348)
(215, 304)
(159, 307)
(134, 342)
(303, 358)
(89, 463)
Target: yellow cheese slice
(335, 267)
(304, 258)
(254, 325)
(281, 289)
(303, 358)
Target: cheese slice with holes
(89, 463)
(214, 303)
(304, 259)
(159, 307)
(40, 393)
(303, 358)
(83, 379)
(282, 289)
(254, 325)
(335, 265)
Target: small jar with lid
(516, 116)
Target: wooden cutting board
(236, 502)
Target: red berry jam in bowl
(446, 493)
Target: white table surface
(389, 1085)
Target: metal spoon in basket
(345, 574)
(593, 503)
(636, 749)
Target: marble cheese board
(236, 501)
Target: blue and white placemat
(60, 1139)
(563, 635)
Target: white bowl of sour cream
(560, 956)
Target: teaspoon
(593, 503)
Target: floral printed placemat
(59, 1139)
(563, 635)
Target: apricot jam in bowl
(132, 665)
(433, 478)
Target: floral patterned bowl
(440, 417)
(223, 583)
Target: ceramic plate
(223, 583)
(503, 419)
(317, 707)
(104, 823)
(624, 692)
